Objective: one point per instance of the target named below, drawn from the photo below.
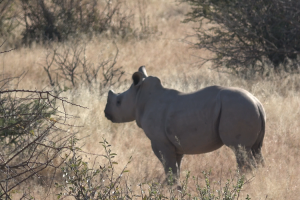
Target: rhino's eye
(118, 102)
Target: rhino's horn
(142, 69)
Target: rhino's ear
(142, 69)
(111, 94)
(137, 78)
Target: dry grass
(165, 56)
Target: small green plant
(230, 191)
(84, 180)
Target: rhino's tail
(256, 148)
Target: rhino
(194, 123)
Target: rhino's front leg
(166, 153)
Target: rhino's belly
(193, 137)
(195, 142)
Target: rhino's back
(190, 121)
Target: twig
(48, 93)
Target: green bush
(21, 117)
(32, 138)
(248, 36)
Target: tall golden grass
(166, 56)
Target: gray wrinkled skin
(194, 123)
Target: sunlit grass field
(167, 56)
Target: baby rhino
(177, 123)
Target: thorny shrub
(61, 19)
(33, 134)
(68, 67)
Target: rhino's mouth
(108, 116)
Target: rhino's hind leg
(178, 161)
(256, 151)
(244, 158)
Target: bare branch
(6, 50)
(48, 93)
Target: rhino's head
(121, 107)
